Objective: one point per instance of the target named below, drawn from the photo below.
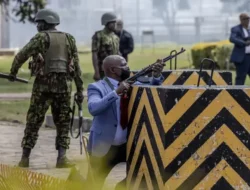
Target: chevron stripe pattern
(188, 138)
(190, 77)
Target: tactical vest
(56, 58)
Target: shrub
(220, 52)
(200, 51)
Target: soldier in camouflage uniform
(104, 43)
(55, 66)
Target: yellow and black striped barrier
(184, 137)
(190, 77)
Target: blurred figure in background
(126, 40)
(240, 36)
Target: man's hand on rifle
(80, 97)
(157, 68)
(12, 77)
(122, 88)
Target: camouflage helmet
(108, 17)
(48, 16)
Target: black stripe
(166, 74)
(222, 152)
(183, 77)
(134, 109)
(144, 153)
(224, 117)
(144, 119)
(222, 184)
(206, 77)
(227, 77)
(194, 111)
(156, 115)
(241, 97)
(171, 98)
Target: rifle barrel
(148, 69)
(6, 76)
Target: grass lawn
(16, 110)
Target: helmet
(108, 17)
(48, 16)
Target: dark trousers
(242, 70)
(101, 166)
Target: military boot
(24, 163)
(62, 160)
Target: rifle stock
(148, 69)
(6, 76)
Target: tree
(24, 10)
(167, 10)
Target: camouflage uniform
(52, 89)
(105, 43)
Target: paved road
(43, 157)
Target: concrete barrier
(184, 137)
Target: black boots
(62, 160)
(24, 163)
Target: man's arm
(36, 44)
(157, 80)
(98, 104)
(234, 38)
(77, 73)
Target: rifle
(149, 68)
(6, 76)
(80, 121)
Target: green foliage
(221, 54)
(201, 51)
(24, 10)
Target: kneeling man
(107, 141)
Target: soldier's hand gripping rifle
(6, 76)
(80, 121)
(149, 68)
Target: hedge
(220, 52)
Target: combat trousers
(60, 108)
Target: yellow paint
(174, 75)
(178, 110)
(143, 171)
(145, 137)
(223, 169)
(222, 135)
(132, 100)
(224, 99)
(218, 79)
(193, 80)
